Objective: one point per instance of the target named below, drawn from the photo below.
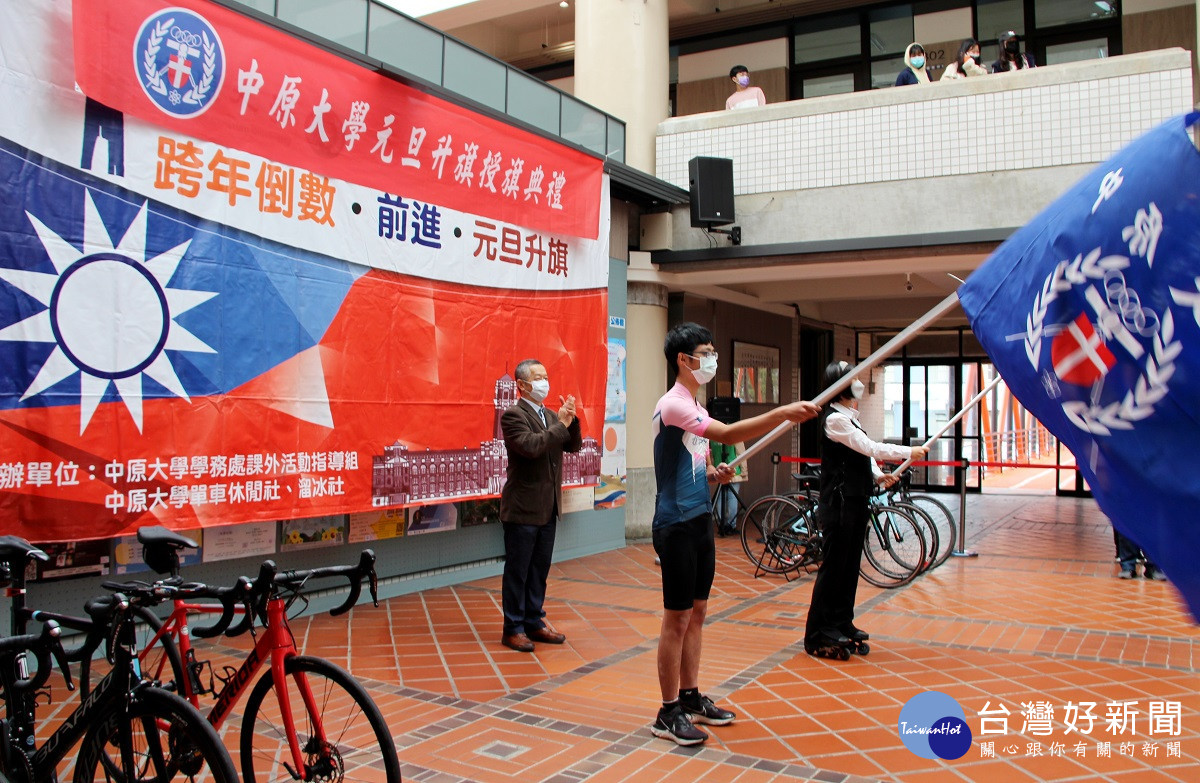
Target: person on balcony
(914, 66)
(1011, 56)
(967, 62)
(744, 96)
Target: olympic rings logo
(1128, 305)
(185, 37)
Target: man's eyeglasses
(702, 356)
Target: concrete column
(645, 379)
(622, 67)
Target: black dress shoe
(517, 641)
(546, 636)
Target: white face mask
(707, 370)
(538, 389)
(856, 389)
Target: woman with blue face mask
(914, 66)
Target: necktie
(545, 419)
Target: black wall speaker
(710, 181)
(727, 410)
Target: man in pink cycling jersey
(683, 528)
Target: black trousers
(528, 550)
(836, 587)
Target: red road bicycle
(305, 718)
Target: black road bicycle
(126, 730)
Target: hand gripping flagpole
(903, 466)
(832, 393)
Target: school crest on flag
(1091, 313)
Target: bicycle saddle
(160, 535)
(15, 548)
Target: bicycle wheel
(775, 533)
(894, 549)
(160, 663)
(946, 524)
(927, 527)
(158, 737)
(341, 735)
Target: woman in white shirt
(849, 476)
(967, 62)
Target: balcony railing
(1061, 115)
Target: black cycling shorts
(689, 561)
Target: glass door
(919, 397)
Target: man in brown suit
(536, 438)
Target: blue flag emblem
(1091, 313)
(179, 61)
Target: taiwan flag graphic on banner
(194, 334)
(1091, 313)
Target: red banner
(211, 73)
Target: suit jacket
(533, 490)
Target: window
(884, 72)
(828, 39)
(835, 84)
(1076, 51)
(1052, 14)
(999, 16)
(341, 21)
(401, 42)
(891, 30)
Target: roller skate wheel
(843, 654)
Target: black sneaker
(1155, 574)
(1127, 573)
(701, 709)
(675, 725)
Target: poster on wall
(479, 512)
(614, 393)
(244, 280)
(232, 541)
(377, 525)
(71, 558)
(432, 518)
(612, 489)
(312, 533)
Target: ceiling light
(564, 4)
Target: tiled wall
(997, 123)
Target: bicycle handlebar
(151, 594)
(270, 578)
(43, 645)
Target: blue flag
(1091, 313)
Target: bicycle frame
(112, 688)
(21, 706)
(274, 647)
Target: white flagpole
(832, 393)
(973, 402)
